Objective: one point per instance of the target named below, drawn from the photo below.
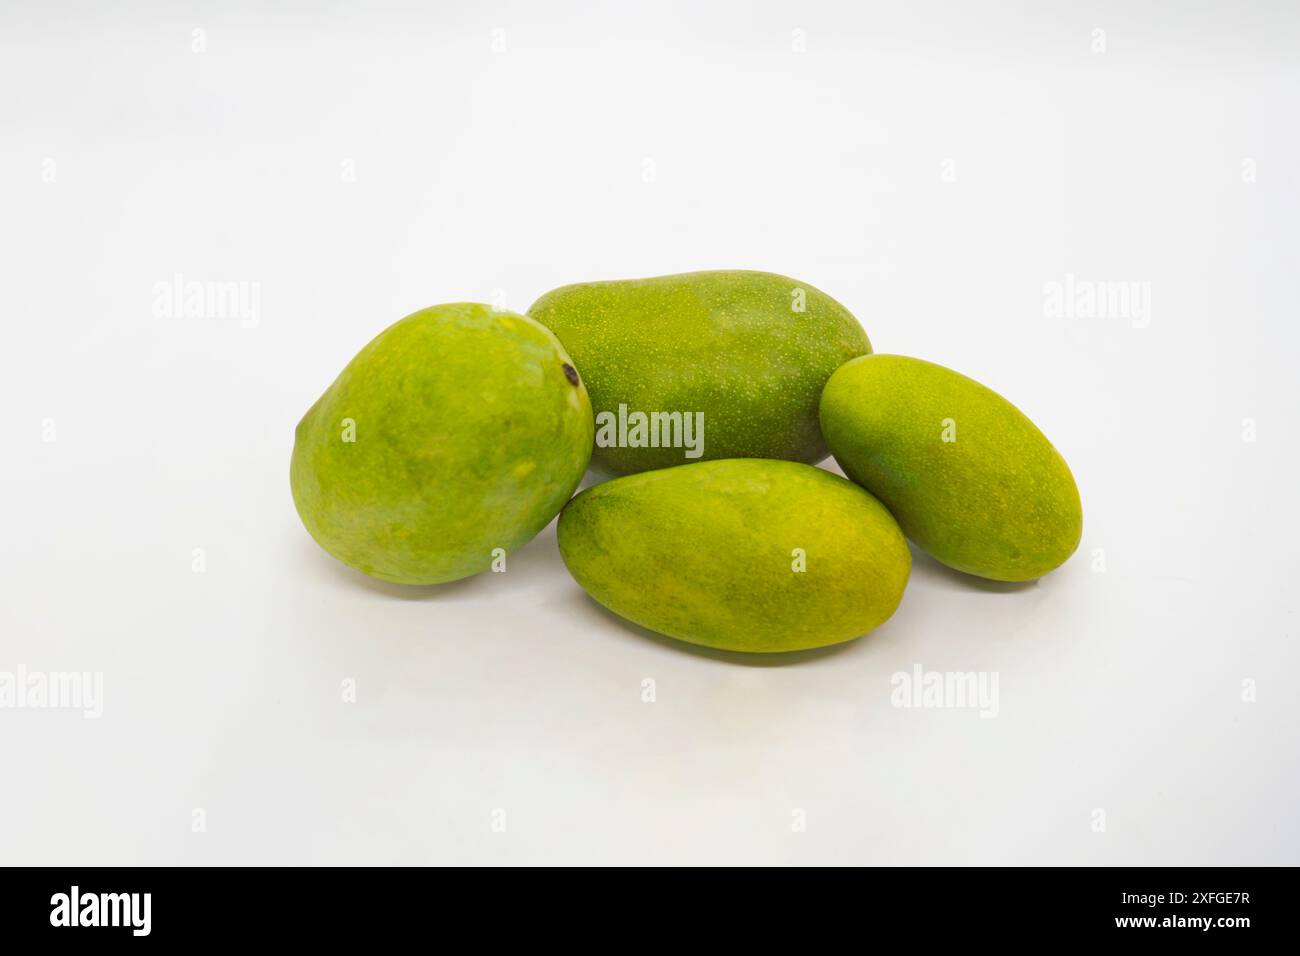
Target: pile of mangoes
(458, 433)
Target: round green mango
(457, 431)
(704, 365)
(970, 479)
(742, 555)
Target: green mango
(970, 479)
(704, 365)
(741, 555)
(457, 431)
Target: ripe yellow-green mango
(742, 555)
(704, 365)
(970, 479)
(456, 432)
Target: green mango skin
(998, 502)
(728, 344)
(705, 553)
(472, 429)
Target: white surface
(521, 170)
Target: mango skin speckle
(706, 553)
(998, 502)
(726, 343)
(469, 436)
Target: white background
(931, 166)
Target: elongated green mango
(970, 479)
(742, 555)
(704, 365)
(450, 440)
